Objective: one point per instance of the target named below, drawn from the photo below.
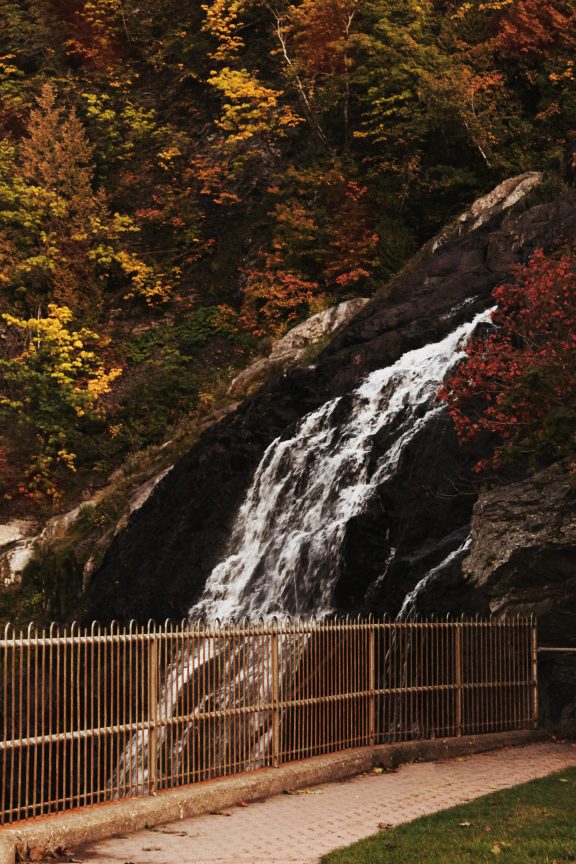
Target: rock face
(523, 550)
(291, 348)
(158, 565)
(23, 539)
(522, 559)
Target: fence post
(372, 681)
(534, 672)
(152, 713)
(275, 698)
(458, 629)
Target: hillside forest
(181, 181)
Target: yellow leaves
(56, 377)
(486, 6)
(7, 68)
(101, 382)
(146, 282)
(58, 352)
(566, 75)
(167, 156)
(223, 23)
(249, 107)
(68, 459)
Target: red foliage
(92, 38)
(353, 242)
(520, 382)
(274, 297)
(534, 28)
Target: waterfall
(284, 552)
(433, 575)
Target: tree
(53, 378)
(59, 242)
(249, 108)
(519, 384)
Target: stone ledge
(90, 824)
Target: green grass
(535, 822)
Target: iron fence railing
(103, 713)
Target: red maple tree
(519, 383)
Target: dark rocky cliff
(158, 565)
(523, 559)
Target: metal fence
(100, 714)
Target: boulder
(292, 348)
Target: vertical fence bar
(275, 697)
(372, 682)
(458, 627)
(152, 713)
(534, 646)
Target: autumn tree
(52, 378)
(58, 239)
(518, 385)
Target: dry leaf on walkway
(243, 804)
(384, 826)
(377, 770)
(306, 792)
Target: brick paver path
(299, 828)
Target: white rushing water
(433, 575)
(284, 552)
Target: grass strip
(535, 822)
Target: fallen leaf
(496, 850)
(243, 804)
(564, 780)
(465, 824)
(384, 826)
(306, 792)
(377, 770)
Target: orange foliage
(322, 27)
(534, 28)
(274, 297)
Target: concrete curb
(69, 830)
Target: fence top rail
(58, 634)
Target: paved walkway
(298, 828)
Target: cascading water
(433, 575)
(284, 552)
